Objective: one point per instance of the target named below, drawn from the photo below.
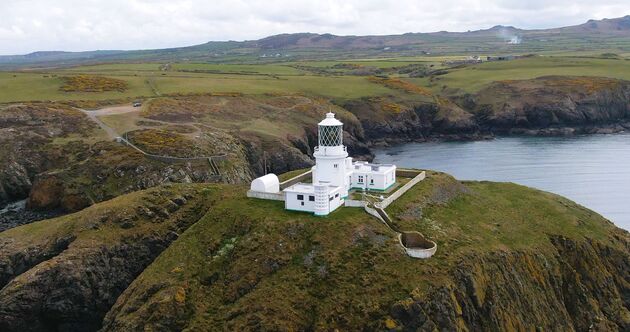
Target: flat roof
(372, 168)
(307, 188)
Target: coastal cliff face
(58, 159)
(542, 106)
(577, 104)
(64, 274)
(582, 285)
(204, 257)
(32, 140)
(390, 120)
(509, 257)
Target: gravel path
(93, 115)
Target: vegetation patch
(587, 84)
(396, 83)
(90, 83)
(165, 143)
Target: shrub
(89, 83)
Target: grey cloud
(31, 25)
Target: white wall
(327, 172)
(336, 200)
(270, 196)
(375, 181)
(291, 202)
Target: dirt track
(93, 115)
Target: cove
(592, 170)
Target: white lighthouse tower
(334, 175)
(330, 155)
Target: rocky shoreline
(606, 129)
(16, 214)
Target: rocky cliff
(33, 139)
(554, 105)
(509, 257)
(57, 158)
(204, 257)
(64, 274)
(542, 106)
(580, 286)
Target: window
(336, 165)
(311, 198)
(336, 195)
(330, 135)
(300, 197)
(330, 198)
(371, 181)
(302, 203)
(360, 178)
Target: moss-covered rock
(508, 258)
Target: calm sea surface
(591, 170)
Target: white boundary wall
(298, 178)
(354, 203)
(389, 200)
(270, 196)
(373, 213)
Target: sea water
(591, 170)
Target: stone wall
(354, 203)
(308, 175)
(269, 196)
(389, 200)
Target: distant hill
(594, 35)
(606, 26)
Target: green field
(37, 87)
(313, 78)
(473, 78)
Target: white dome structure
(266, 184)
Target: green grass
(117, 67)
(251, 260)
(345, 87)
(487, 216)
(17, 87)
(474, 78)
(270, 69)
(145, 79)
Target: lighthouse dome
(330, 120)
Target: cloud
(72, 25)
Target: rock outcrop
(27, 136)
(47, 158)
(70, 271)
(554, 105)
(582, 286)
(390, 120)
(544, 106)
(510, 258)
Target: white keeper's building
(334, 175)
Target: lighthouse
(333, 176)
(331, 156)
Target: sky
(79, 25)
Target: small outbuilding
(266, 184)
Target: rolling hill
(606, 34)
